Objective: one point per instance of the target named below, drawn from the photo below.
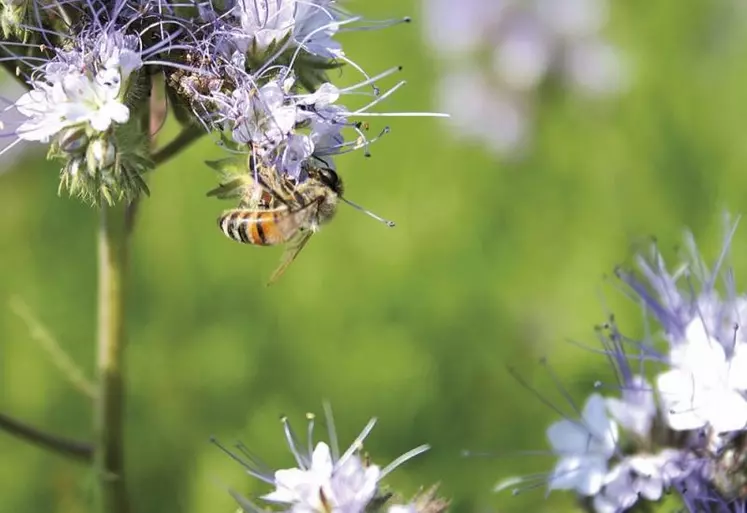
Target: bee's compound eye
(329, 176)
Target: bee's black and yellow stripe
(258, 227)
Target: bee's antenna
(390, 224)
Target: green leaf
(230, 144)
(228, 190)
(229, 166)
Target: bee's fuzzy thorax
(328, 208)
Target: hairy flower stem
(109, 405)
(63, 446)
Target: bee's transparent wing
(294, 247)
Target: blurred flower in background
(683, 431)
(500, 52)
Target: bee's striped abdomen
(258, 227)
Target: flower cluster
(251, 72)
(80, 89)
(500, 52)
(685, 430)
(326, 481)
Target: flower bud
(73, 141)
(100, 155)
(12, 18)
(70, 175)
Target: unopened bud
(100, 155)
(73, 168)
(73, 141)
(12, 14)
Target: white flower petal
(265, 21)
(595, 433)
(567, 437)
(565, 474)
(321, 460)
(582, 474)
(680, 404)
(738, 368)
(100, 120)
(295, 486)
(649, 482)
(637, 408)
(605, 504)
(592, 478)
(325, 95)
(40, 130)
(118, 112)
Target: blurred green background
(490, 266)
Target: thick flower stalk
(328, 481)
(679, 420)
(501, 54)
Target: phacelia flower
(76, 100)
(83, 86)
(704, 387)
(583, 447)
(263, 117)
(500, 53)
(324, 481)
(310, 25)
(81, 91)
(253, 73)
(283, 128)
(636, 477)
(688, 433)
(635, 410)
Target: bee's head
(329, 177)
(328, 203)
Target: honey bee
(282, 211)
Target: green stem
(109, 404)
(64, 446)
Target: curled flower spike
(251, 72)
(686, 433)
(324, 480)
(82, 91)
